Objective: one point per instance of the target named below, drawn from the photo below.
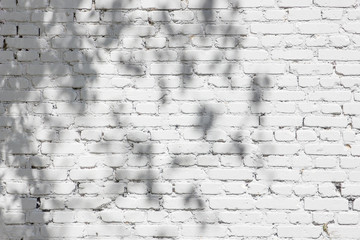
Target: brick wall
(181, 119)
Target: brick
(175, 29)
(66, 42)
(91, 16)
(137, 174)
(231, 203)
(279, 149)
(170, 69)
(203, 4)
(246, 54)
(212, 231)
(54, 94)
(356, 204)
(62, 148)
(226, 29)
(330, 96)
(151, 55)
(251, 231)
(36, 4)
(283, 95)
(108, 69)
(233, 148)
(107, 230)
(348, 69)
(284, 136)
(351, 108)
(305, 190)
(294, 3)
(319, 121)
(160, 230)
(330, 108)
(339, 55)
(292, 54)
(217, 69)
(14, 218)
(90, 174)
(299, 231)
(200, 55)
(177, 148)
(311, 69)
(278, 203)
(230, 174)
(323, 176)
(183, 203)
(265, 68)
(183, 16)
(281, 121)
(352, 27)
(112, 4)
(183, 173)
(108, 147)
(78, 4)
(252, 4)
(92, 203)
(156, 43)
(302, 14)
(344, 231)
(271, 28)
(139, 203)
(332, 3)
(19, 96)
(329, 204)
(57, 231)
(348, 218)
(355, 150)
(8, 29)
(318, 28)
(160, 4)
(278, 175)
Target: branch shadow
(55, 81)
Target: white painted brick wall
(180, 119)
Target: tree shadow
(58, 92)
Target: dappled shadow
(77, 67)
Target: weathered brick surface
(179, 119)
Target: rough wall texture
(192, 119)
